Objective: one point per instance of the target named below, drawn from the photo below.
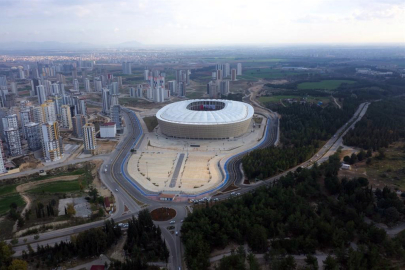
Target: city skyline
(107, 23)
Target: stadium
(205, 119)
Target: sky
(204, 22)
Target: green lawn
(325, 84)
(57, 187)
(6, 189)
(7, 200)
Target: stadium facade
(205, 119)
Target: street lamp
(146, 170)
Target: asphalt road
(125, 191)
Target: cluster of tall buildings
(37, 127)
(110, 104)
(219, 86)
(225, 71)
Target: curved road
(130, 198)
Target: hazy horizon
(183, 23)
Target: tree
(70, 210)
(17, 264)
(312, 262)
(5, 253)
(361, 155)
(353, 158)
(391, 214)
(330, 263)
(258, 238)
(346, 159)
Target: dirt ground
(105, 147)
(97, 184)
(163, 214)
(117, 252)
(27, 163)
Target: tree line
(295, 216)
(303, 128)
(383, 124)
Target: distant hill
(54, 45)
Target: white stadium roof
(233, 111)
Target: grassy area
(276, 99)
(325, 84)
(6, 228)
(128, 101)
(7, 200)
(57, 187)
(7, 189)
(268, 73)
(389, 171)
(151, 122)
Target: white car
(172, 222)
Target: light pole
(146, 170)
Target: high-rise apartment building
(224, 87)
(227, 70)
(126, 68)
(233, 75)
(2, 161)
(49, 111)
(89, 138)
(25, 117)
(98, 85)
(41, 92)
(239, 69)
(13, 141)
(76, 84)
(33, 135)
(116, 116)
(172, 87)
(52, 146)
(182, 89)
(78, 122)
(66, 117)
(87, 87)
(37, 114)
(105, 96)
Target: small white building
(108, 130)
(345, 166)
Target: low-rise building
(108, 130)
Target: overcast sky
(203, 21)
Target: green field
(276, 99)
(57, 187)
(7, 200)
(7, 189)
(325, 84)
(268, 73)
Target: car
(120, 224)
(181, 220)
(216, 199)
(177, 233)
(232, 193)
(116, 189)
(172, 222)
(237, 194)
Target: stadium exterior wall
(215, 131)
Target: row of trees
(86, 244)
(383, 124)
(294, 216)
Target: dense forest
(295, 216)
(304, 128)
(383, 124)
